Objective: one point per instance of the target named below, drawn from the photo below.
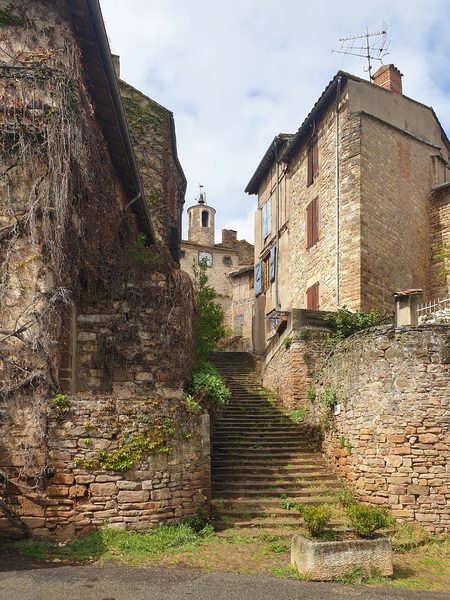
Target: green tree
(442, 254)
(209, 315)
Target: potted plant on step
(324, 555)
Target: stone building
(349, 206)
(96, 319)
(229, 268)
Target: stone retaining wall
(290, 361)
(169, 483)
(391, 438)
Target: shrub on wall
(346, 323)
(209, 315)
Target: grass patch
(421, 560)
(125, 544)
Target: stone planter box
(325, 561)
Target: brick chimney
(116, 64)
(228, 237)
(389, 78)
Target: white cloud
(236, 74)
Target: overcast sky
(237, 73)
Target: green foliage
(345, 323)
(287, 342)
(442, 254)
(328, 398)
(209, 315)
(311, 395)
(298, 414)
(288, 504)
(62, 403)
(346, 497)
(208, 385)
(365, 520)
(148, 435)
(304, 334)
(107, 542)
(142, 254)
(316, 517)
(7, 18)
(191, 405)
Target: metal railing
(433, 307)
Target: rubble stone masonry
(391, 438)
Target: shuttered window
(313, 160)
(312, 297)
(312, 223)
(258, 278)
(267, 218)
(272, 262)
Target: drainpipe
(277, 245)
(338, 97)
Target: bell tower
(201, 222)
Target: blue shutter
(272, 262)
(258, 278)
(267, 218)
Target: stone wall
(153, 134)
(391, 438)
(96, 328)
(440, 236)
(291, 359)
(169, 483)
(395, 215)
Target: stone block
(129, 485)
(401, 451)
(129, 496)
(418, 490)
(63, 478)
(163, 494)
(84, 479)
(102, 490)
(326, 561)
(30, 508)
(57, 491)
(428, 438)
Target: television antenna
(371, 46)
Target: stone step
(260, 456)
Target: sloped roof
(89, 29)
(305, 129)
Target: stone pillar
(406, 305)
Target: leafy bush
(208, 385)
(328, 398)
(209, 315)
(287, 343)
(316, 517)
(365, 520)
(345, 323)
(346, 497)
(311, 395)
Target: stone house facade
(229, 267)
(344, 205)
(96, 319)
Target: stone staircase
(260, 457)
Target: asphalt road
(128, 583)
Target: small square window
(227, 261)
(181, 253)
